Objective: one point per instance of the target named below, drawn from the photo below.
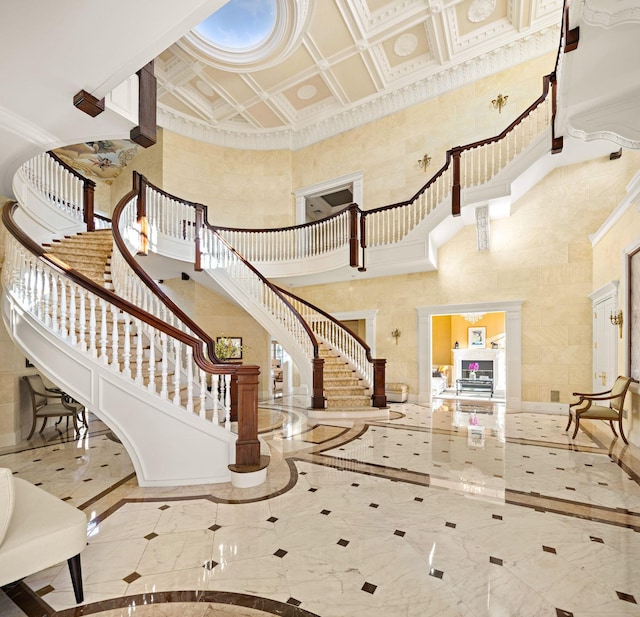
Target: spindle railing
(63, 187)
(292, 243)
(131, 341)
(351, 347)
(157, 212)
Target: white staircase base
(168, 446)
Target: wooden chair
(607, 405)
(49, 403)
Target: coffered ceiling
(341, 63)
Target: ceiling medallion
(480, 10)
(405, 44)
(306, 92)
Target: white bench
(396, 392)
(37, 531)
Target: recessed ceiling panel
(328, 30)
(473, 15)
(297, 62)
(354, 78)
(230, 82)
(308, 93)
(406, 46)
(177, 104)
(376, 5)
(264, 116)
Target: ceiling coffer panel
(308, 93)
(347, 57)
(265, 116)
(406, 46)
(474, 15)
(356, 82)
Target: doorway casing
(513, 347)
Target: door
(605, 344)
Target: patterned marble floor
(460, 510)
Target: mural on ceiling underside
(102, 160)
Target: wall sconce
(424, 162)
(617, 320)
(396, 334)
(499, 102)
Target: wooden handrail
(244, 378)
(272, 229)
(148, 281)
(379, 398)
(330, 318)
(201, 216)
(204, 210)
(109, 296)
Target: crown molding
(316, 129)
(609, 14)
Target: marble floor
(460, 510)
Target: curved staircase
(342, 387)
(87, 252)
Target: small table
(475, 385)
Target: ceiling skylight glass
(240, 24)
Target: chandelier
(473, 317)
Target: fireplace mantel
(494, 355)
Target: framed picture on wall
(229, 347)
(477, 337)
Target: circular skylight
(240, 24)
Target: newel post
(88, 194)
(317, 398)
(363, 240)
(139, 185)
(379, 397)
(197, 266)
(557, 141)
(455, 189)
(246, 397)
(353, 236)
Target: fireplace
(484, 370)
(491, 364)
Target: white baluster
(92, 326)
(139, 352)
(82, 328)
(126, 351)
(73, 337)
(215, 391)
(227, 401)
(189, 367)
(152, 360)
(164, 393)
(203, 393)
(176, 372)
(103, 331)
(54, 303)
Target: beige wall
(541, 255)
(15, 410)
(241, 188)
(608, 260)
(387, 150)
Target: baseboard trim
(550, 408)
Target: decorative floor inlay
(459, 511)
